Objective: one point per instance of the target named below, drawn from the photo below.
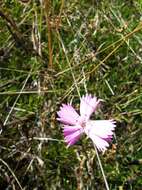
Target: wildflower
(100, 131)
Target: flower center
(83, 124)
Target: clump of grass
(94, 47)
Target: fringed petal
(88, 105)
(101, 132)
(67, 115)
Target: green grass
(96, 48)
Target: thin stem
(12, 108)
(47, 7)
(102, 170)
(72, 73)
(60, 13)
(12, 173)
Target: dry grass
(55, 56)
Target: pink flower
(100, 131)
